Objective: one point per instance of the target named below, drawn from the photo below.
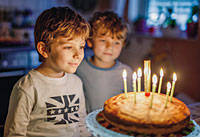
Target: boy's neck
(101, 64)
(49, 72)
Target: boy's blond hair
(59, 21)
(110, 23)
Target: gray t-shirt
(100, 84)
(42, 106)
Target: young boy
(49, 100)
(102, 73)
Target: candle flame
(161, 72)
(134, 76)
(174, 76)
(139, 72)
(168, 85)
(124, 74)
(154, 79)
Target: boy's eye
(117, 43)
(82, 47)
(102, 40)
(68, 47)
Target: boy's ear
(42, 49)
(89, 43)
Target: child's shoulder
(74, 78)
(25, 82)
(124, 66)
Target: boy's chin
(71, 71)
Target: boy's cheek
(118, 48)
(81, 59)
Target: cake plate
(99, 131)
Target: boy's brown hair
(109, 22)
(56, 22)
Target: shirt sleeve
(18, 117)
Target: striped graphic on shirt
(63, 109)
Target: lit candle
(173, 85)
(149, 81)
(139, 79)
(154, 79)
(160, 82)
(168, 90)
(134, 85)
(134, 81)
(147, 70)
(149, 76)
(124, 75)
(145, 78)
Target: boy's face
(106, 50)
(65, 54)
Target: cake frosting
(138, 117)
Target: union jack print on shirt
(63, 109)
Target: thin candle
(149, 81)
(139, 79)
(173, 86)
(134, 85)
(160, 82)
(149, 76)
(134, 81)
(168, 90)
(154, 79)
(124, 75)
(145, 75)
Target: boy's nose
(76, 54)
(109, 45)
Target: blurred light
(174, 16)
(149, 22)
(162, 18)
(182, 20)
(183, 27)
(4, 63)
(154, 16)
(195, 18)
(158, 12)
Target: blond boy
(49, 100)
(102, 73)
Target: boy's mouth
(73, 64)
(109, 54)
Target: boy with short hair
(49, 100)
(102, 73)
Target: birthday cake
(121, 111)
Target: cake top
(141, 112)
